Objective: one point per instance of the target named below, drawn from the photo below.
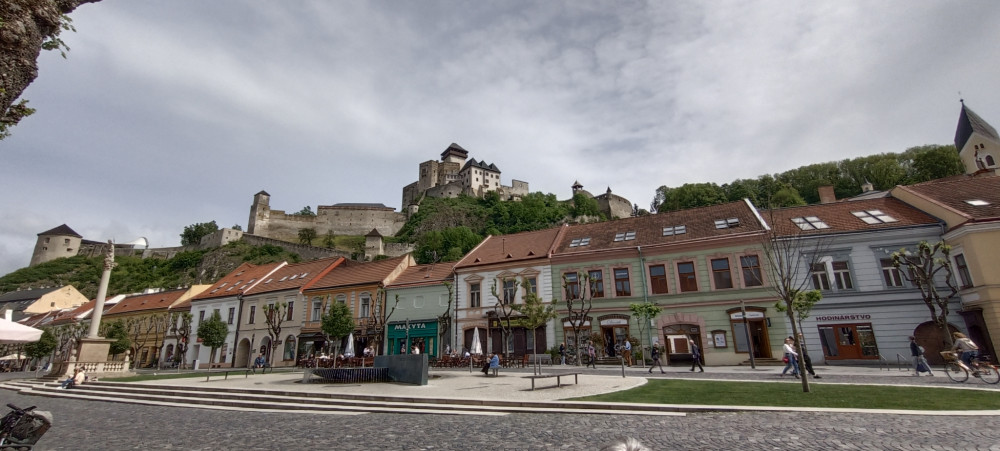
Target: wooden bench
(558, 376)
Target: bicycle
(981, 367)
(21, 428)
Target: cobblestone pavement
(85, 425)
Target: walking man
(655, 355)
(628, 352)
(591, 355)
(695, 356)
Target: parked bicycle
(21, 428)
(981, 367)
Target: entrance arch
(930, 337)
(242, 354)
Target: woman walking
(791, 358)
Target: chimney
(826, 195)
(867, 186)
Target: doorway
(613, 335)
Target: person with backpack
(655, 355)
(919, 361)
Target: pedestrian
(628, 352)
(965, 346)
(919, 361)
(591, 355)
(259, 362)
(562, 353)
(791, 358)
(806, 361)
(695, 356)
(655, 355)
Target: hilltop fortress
(454, 175)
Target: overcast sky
(166, 114)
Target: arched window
(990, 161)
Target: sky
(165, 114)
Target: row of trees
(800, 186)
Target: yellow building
(146, 317)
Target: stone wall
(306, 252)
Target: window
(579, 242)
(201, 317)
(658, 279)
(475, 295)
(810, 223)
(727, 223)
(891, 274)
(750, 265)
(963, 271)
(531, 285)
(596, 283)
(873, 216)
(842, 275)
(366, 301)
(232, 315)
(720, 273)
(990, 161)
(509, 290)
(269, 312)
(977, 202)
(253, 314)
(821, 280)
(572, 285)
(317, 309)
(418, 302)
(65, 240)
(674, 230)
(291, 308)
(625, 236)
(622, 286)
(686, 275)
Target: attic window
(810, 223)
(294, 276)
(977, 202)
(223, 285)
(727, 223)
(674, 230)
(283, 279)
(625, 236)
(213, 291)
(303, 275)
(268, 281)
(873, 216)
(579, 242)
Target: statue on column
(109, 259)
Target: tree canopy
(193, 233)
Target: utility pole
(746, 329)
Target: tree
(307, 235)
(786, 257)
(117, 330)
(935, 162)
(688, 195)
(138, 328)
(584, 205)
(337, 322)
(67, 337)
(212, 333)
(374, 326)
(329, 240)
(159, 325)
(534, 314)
(444, 320)
(579, 300)
(644, 313)
(925, 268)
(29, 26)
(274, 314)
(305, 211)
(43, 347)
(503, 310)
(180, 328)
(237, 227)
(193, 233)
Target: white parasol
(477, 348)
(11, 332)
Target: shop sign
(615, 322)
(750, 315)
(402, 326)
(851, 317)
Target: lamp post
(746, 329)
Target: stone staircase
(317, 403)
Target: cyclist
(966, 347)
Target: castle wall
(614, 206)
(306, 252)
(48, 248)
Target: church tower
(977, 142)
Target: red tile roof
(840, 218)
(242, 278)
(699, 224)
(424, 275)
(294, 275)
(358, 273)
(511, 248)
(142, 302)
(954, 192)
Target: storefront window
(848, 341)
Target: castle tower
(59, 242)
(977, 142)
(260, 213)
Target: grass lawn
(791, 395)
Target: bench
(558, 376)
(263, 370)
(496, 371)
(542, 359)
